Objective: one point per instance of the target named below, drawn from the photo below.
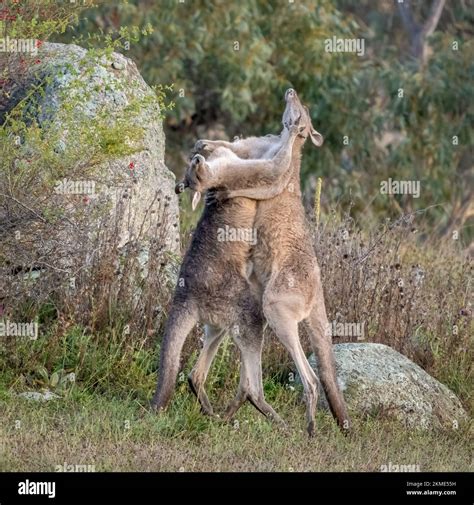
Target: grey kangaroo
(213, 285)
(283, 261)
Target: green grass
(102, 419)
(117, 432)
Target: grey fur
(284, 264)
(213, 285)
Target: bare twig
(398, 221)
(41, 218)
(435, 13)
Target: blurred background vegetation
(405, 107)
(402, 110)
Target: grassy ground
(102, 419)
(118, 433)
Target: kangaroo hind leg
(282, 320)
(251, 383)
(197, 377)
(322, 346)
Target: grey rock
(149, 182)
(70, 377)
(377, 380)
(45, 396)
(148, 213)
(118, 65)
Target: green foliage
(217, 82)
(39, 20)
(231, 63)
(39, 154)
(52, 130)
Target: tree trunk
(419, 33)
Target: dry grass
(113, 434)
(407, 291)
(103, 413)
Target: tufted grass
(103, 420)
(118, 433)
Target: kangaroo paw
(296, 129)
(215, 197)
(203, 147)
(199, 146)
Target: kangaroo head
(196, 173)
(295, 111)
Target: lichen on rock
(377, 380)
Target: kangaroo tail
(180, 322)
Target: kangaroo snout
(290, 93)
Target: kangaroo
(213, 285)
(284, 262)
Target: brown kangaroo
(213, 282)
(284, 262)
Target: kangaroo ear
(196, 198)
(316, 137)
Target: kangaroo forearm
(261, 193)
(282, 159)
(241, 148)
(264, 191)
(244, 174)
(214, 144)
(257, 178)
(240, 174)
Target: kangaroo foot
(267, 410)
(202, 397)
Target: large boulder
(123, 201)
(377, 380)
(107, 87)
